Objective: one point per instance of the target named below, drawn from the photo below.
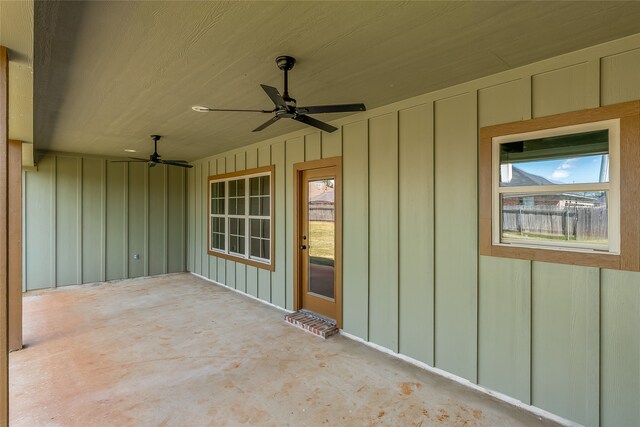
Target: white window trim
(613, 188)
(247, 217)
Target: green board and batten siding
(85, 218)
(558, 337)
(456, 235)
(416, 233)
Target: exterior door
(318, 238)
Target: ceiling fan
(155, 159)
(285, 106)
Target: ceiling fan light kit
(286, 107)
(155, 159)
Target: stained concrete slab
(177, 350)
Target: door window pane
(321, 238)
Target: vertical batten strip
(278, 288)
(199, 220)
(504, 290)
(294, 154)
(355, 238)
(125, 252)
(241, 268)
(147, 222)
(4, 239)
(209, 270)
(434, 219)
(397, 230)
(79, 199)
(230, 266)
(24, 232)
(478, 260)
(103, 222)
(527, 97)
(593, 83)
(456, 235)
(383, 230)
(165, 194)
(251, 273)
(209, 263)
(184, 224)
(264, 276)
(54, 223)
(221, 165)
(527, 114)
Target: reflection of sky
(566, 171)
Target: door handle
(303, 247)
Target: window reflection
(321, 238)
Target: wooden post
(4, 236)
(15, 244)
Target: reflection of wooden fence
(571, 222)
(321, 211)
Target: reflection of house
(322, 205)
(518, 177)
(559, 200)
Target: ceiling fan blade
(315, 123)
(342, 108)
(139, 159)
(267, 123)
(176, 163)
(275, 96)
(201, 109)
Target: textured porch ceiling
(108, 74)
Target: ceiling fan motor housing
(285, 62)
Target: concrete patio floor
(178, 350)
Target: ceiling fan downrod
(155, 138)
(286, 63)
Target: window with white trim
(241, 216)
(558, 188)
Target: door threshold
(313, 323)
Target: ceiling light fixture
(200, 109)
(129, 150)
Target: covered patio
(179, 350)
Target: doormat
(312, 323)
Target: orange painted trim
(272, 171)
(298, 169)
(15, 245)
(629, 258)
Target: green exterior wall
(85, 217)
(558, 337)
